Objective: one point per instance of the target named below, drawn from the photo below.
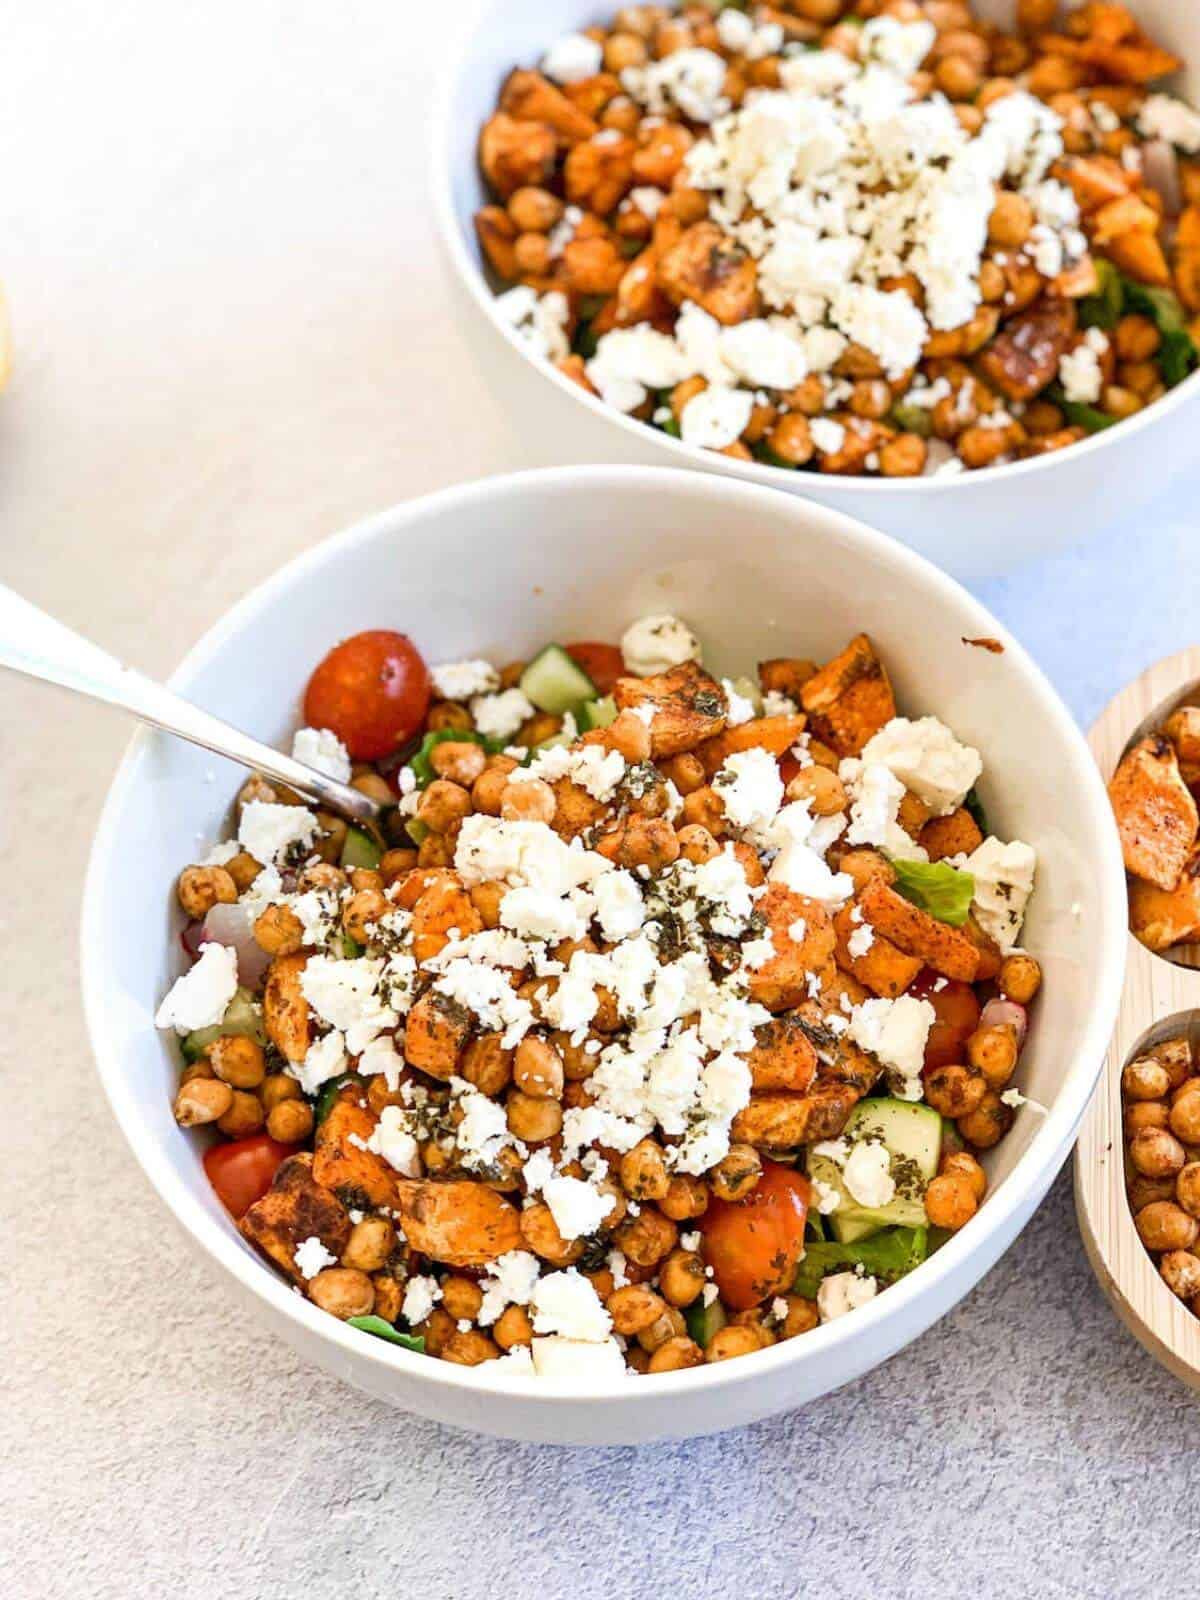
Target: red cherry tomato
(603, 663)
(754, 1245)
(957, 1018)
(242, 1171)
(372, 690)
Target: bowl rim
(441, 186)
(1047, 1148)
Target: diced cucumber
(703, 1321)
(912, 1134)
(242, 1016)
(556, 741)
(749, 690)
(360, 850)
(554, 683)
(596, 714)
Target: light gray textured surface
(224, 282)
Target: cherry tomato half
(603, 663)
(242, 1171)
(957, 1017)
(754, 1245)
(372, 690)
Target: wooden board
(1160, 1000)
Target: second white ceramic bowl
(977, 525)
(497, 568)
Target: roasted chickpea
(791, 439)
(512, 1327)
(489, 786)
(669, 1324)
(532, 1120)
(461, 1297)
(529, 800)
(202, 1100)
(487, 1064)
(469, 1349)
(681, 1277)
(736, 1174)
(237, 1061)
(362, 911)
(1180, 1271)
(824, 790)
(950, 1201)
(371, 1242)
(277, 1087)
(1184, 1117)
(802, 1316)
(538, 1069)
(634, 1308)
(1019, 978)
(1156, 1153)
(1145, 1079)
(343, 1292)
(443, 804)
(696, 844)
(201, 888)
(644, 1173)
(646, 1238)
(533, 210)
(278, 931)
(1162, 1225)
(291, 1121)
(457, 761)
(993, 1053)
(541, 1235)
(964, 1165)
(686, 1197)
(1136, 338)
(988, 1124)
(731, 1341)
(904, 456)
(955, 1091)
(674, 1354)
(1145, 1114)
(244, 1116)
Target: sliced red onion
(1160, 169)
(191, 939)
(997, 1013)
(230, 925)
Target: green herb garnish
(384, 1330)
(1079, 414)
(1104, 308)
(973, 806)
(1177, 355)
(942, 891)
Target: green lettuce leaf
(943, 891)
(888, 1255)
(384, 1330)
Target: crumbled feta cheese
(868, 1174)
(323, 751)
(716, 418)
(927, 759)
(221, 853)
(828, 1199)
(648, 201)
(895, 1031)
(577, 1207)
(1003, 875)
(312, 1257)
(902, 46)
(656, 644)
(1164, 117)
(343, 994)
(200, 998)
(620, 906)
(691, 79)
(498, 716)
(326, 1058)
(268, 830)
(750, 788)
(566, 1303)
(875, 796)
(741, 709)
(421, 1294)
(1080, 375)
(860, 941)
(538, 320)
(573, 58)
(580, 1360)
(394, 1140)
(827, 435)
(887, 324)
(843, 1291)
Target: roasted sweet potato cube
(881, 967)
(957, 834)
(991, 956)
(689, 706)
(709, 268)
(850, 698)
(497, 233)
(802, 937)
(435, 1034)
(285, 1010)
(1139, 255)
(785, 1121)
(947, 950)
(1094, 180)
(358, 1177)
(513, 154)
(1023, 359)
(786, 675)
(1156, 814)
(528, 97)
(598, 175)
(296, 1207)
(1161, 918)
(462, 1223)
(783, 1056)
(575, 809)
(775, 734)
(1136, 61)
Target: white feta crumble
(538, 320)
(343, 994)
(498, 716)
(843, 1291)
(692, 79)
(867, 1174)
(573, 58)
(655, 644)
(716, 418)
(461, 680)
(267, 830)
(221, 853)
(580, 1360)
(421, 1294)
(565, 1303)
(577, 1207)
(200, 998)
(875, 796)
(827, 435)
(393, 1139)
(1164, 117)
(860, 941)
(741, 708)
(647, 199)
(312, 1257)
(750, 788)
(1080, 375)
(895, 1031)
(902, 46)
(928, 759)
(322, 750)
(1003, 875)
(326, 1058)
(620, 906)
(828, 1198)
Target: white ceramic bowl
(496, 568)
(976, 525)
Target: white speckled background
(234, 335)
